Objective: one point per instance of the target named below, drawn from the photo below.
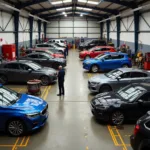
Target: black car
(140, 140)
(89, 44)
(129, 103)
(45, 60)
(22, 71)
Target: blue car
(21, 113)
(107, 61)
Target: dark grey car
(45, 59)
(21, 71)
(117, 79)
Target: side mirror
(103, 60)
(118, 78)
(140, 101)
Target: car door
(106, 62)
(26, 72)
(13, 72)
(96, 52)
(137, 77)
(33, 57)
(116, 61)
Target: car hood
(29, 104)
(107, 99)
(99, 78)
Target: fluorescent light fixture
(88, 9)
(81, 15)
(60, 9)
(60, 2)
(89, 2)
(64, 13)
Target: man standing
(61, 76)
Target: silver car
(117, 79)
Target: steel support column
(16, 30)
(45, 27)
(101, 29)
(31, 30)
(118, 19)
(136, 30)
(108, 30)
(39, 30)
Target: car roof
(104, 47)
(144, 85)
(132, 70)
(16, 61)
(115, 53)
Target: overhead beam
(123, 3)
(80, 11)
(111, 11)
(29, 3)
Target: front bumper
(100, 115)
(86, 66)
(93, 88)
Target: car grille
(44, 110)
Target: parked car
(23, 70)
(48, 51)
(129, 103)
(52, 46)
(92, 43)
(61, 42)
(21, 113)
(140, 139)
(95, 51)
(107, 61)
(116, 79)
(45, 60)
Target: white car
(61, 42)
(53, 46)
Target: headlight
(101, 108)
(88, 62)
(32, 115)
(94, 83)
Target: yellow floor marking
(46, 93)
(87, 148)
(22, 141)
(14, 147)
(27, 141)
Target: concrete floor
(71, 125)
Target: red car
(55, 55)
(95, 51)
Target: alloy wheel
(16, 128)
(95, 68)
(125, 66)
(45, 80)
(117, 118)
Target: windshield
(114, 74)
(131, 93)
(8, 97)
(100, 56)
(34, 66)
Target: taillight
(136, 129)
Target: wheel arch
(105, 84)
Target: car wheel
(87, 57)
(105, 88)
(16, 128)
(45, 80)
(117, 118)
(3, 79)
(125, 66)
(95, 68)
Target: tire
(3, 79)
(94, 69)
(125, 66)
(105, 88)
(45, 80)
(87, 57)
(117, 118)
(16, 127)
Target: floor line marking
(27, 141)
(22, 141)
(112, 135)
(46, 93)
(14, 147)
(124, 145)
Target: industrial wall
(7, 30)
(73, 28)
(127, 32)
